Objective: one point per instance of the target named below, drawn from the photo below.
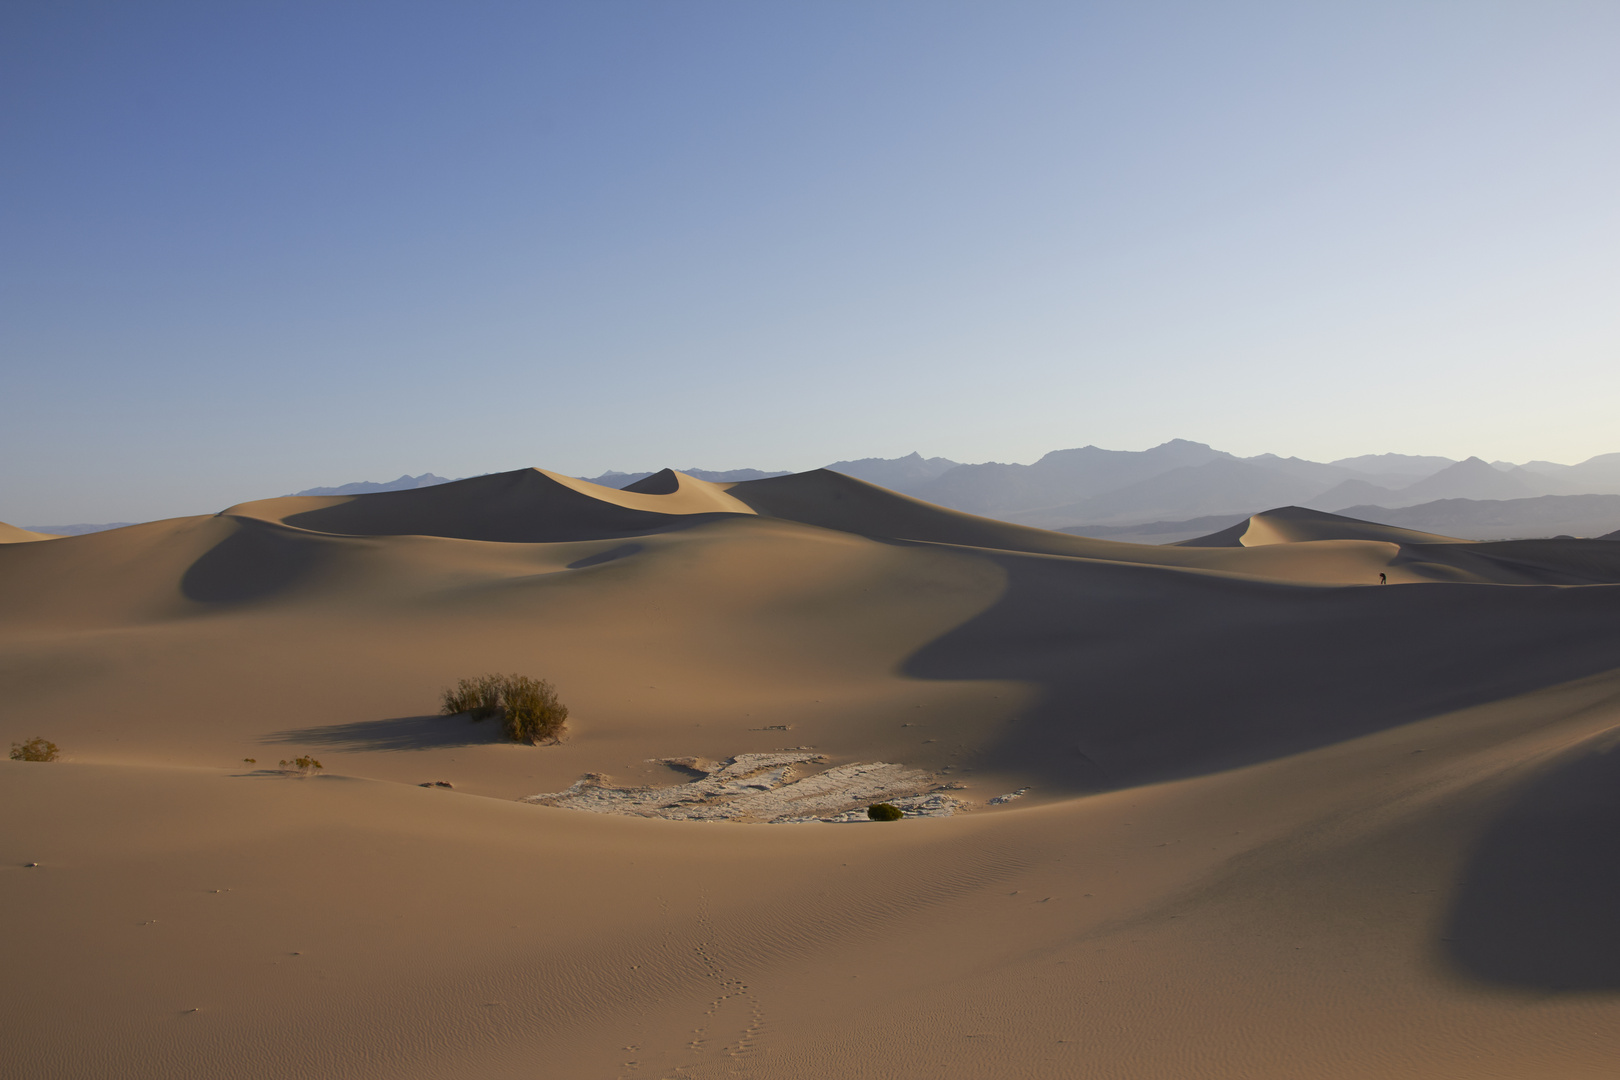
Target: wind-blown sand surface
(1281, 821)
(10, 534)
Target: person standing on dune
(1382, 580)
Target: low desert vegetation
(35, 749)
(885, 811)
(303, 763)
(528, 707)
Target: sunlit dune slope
(1295, 524)
(10, 534)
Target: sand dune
(528, 506)
(10, 534)
(1280, 821)
(1294, 525)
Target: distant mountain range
(1172, 482)
(1503, 519)
(729, 476)
(1163, 491)
(1466, 519)
(369, 487)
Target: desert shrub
(531, 709)
(479, 698)
(35, 749)
(528, 707)
(304, 764)
(884, 811)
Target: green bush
(884, 811)
(528, 708)
(35, 749)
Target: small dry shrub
(531, 709)
(35, 749)
(479, 698)
(304, 764)
(528, 707)
(884, 811)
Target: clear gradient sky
(247, 248)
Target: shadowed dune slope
(832, 500)
(104, 579)
(1147, 673)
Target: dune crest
(11, 534)
(1298, 525)
(522, 506)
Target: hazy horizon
(252, 250)
(335, 483)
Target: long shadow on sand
(396, 733)
(1537, 904)
(1146, 673)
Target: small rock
(30, 864)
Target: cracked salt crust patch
(760, 788)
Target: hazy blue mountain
(1316, 470)
(906, 475)
(1224, 486)
(615, 479)
(1416, 466)
(368, 487)
(1501, 519)
(1351, 491)
(1472, 478)
(1061, 478)
(1597, 474)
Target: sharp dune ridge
(10, 534)
(1282, 820)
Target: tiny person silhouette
(1382, 580)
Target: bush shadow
(1536, 907)
(434, 732)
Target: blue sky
(249, 248)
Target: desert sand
(10, 534)
(1279, 820)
